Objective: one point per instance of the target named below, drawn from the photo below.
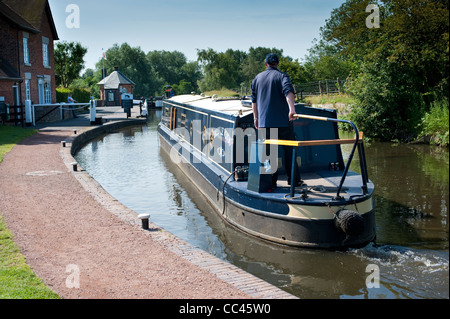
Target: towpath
(85, 245)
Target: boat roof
(228, 106)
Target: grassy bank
(10, 136)
(342, 103)
(333, 99)
(17, 279)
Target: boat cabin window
(183, 120)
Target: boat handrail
(315, 142)
(357, 143)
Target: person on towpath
(71, 101)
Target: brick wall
(117, 96)
(8, 51)
(36, 67)
(8, 39)
(14, 54)
(7, 91)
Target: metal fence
(50, 112)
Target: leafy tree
(173, 67)
(88, 77)
(403, 65)
(167, 64)
(183, 87)
(325, 61)
(389, 107)
(133, 63)
(233, 68)
(69, 61)
(89, 80)
(294, 69)
(149, 71)
(191, 73)
(260, 53)
(222, 70)
(254, 62)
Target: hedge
(79, 95)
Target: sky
(188, 25)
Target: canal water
(409, 260)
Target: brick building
(113, 86)
(27, 64)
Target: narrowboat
(214, 142)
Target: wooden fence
(323, 87)
(12, 114)
(320, 88)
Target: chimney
(116, 68)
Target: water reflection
(412, 219)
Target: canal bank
(84, 244)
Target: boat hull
(280, 223)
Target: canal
(410, 258)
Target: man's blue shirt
(269, 91)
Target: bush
(388, 106)
(435, 123)
(184, 87)
(79, 94)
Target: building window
(45, 52)
(16, 95)
(27, 89)
(26, 52)
(47, 92)
(111, 96)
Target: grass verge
(17, 279)
(329, 99)
(10, 136)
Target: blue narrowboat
(214, 143)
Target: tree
(69, 61)
(173, 68)
(167, 64)
(402, 66)
(222, 70)
(325, 61)
(191, 73)
(233, 68)
(133, 63)
(254, 62)
(184, 87)
(294, 69)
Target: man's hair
(272, 59)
